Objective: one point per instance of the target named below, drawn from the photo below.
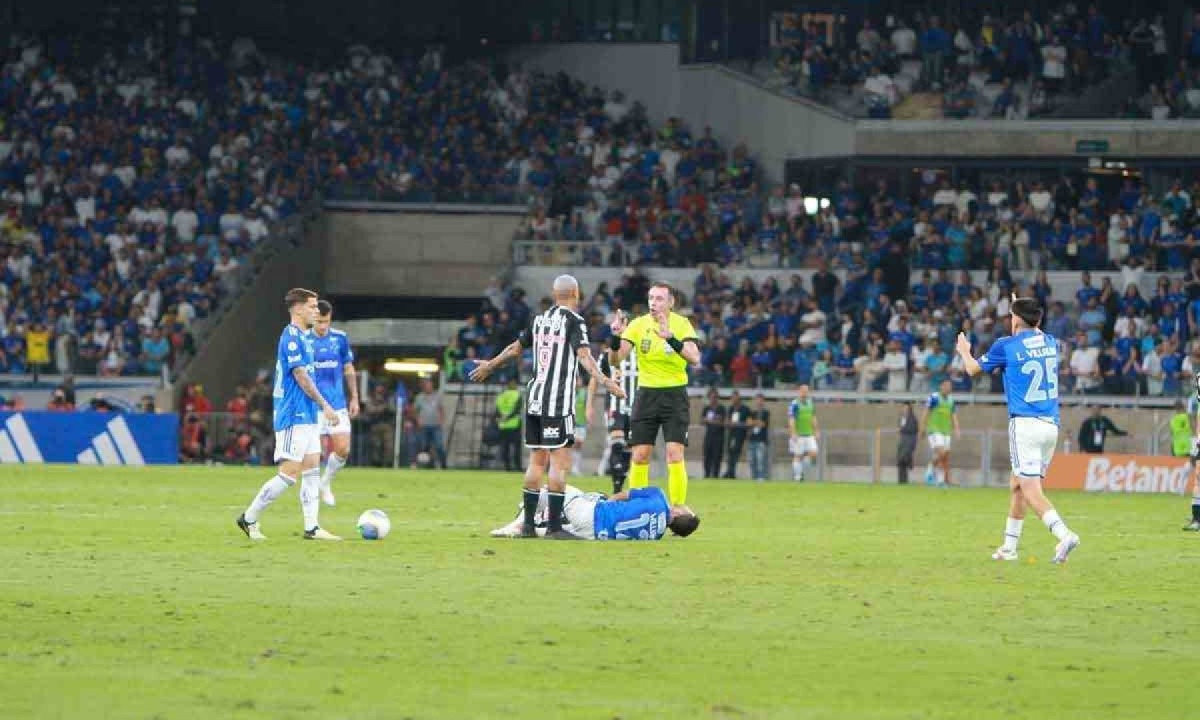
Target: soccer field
(129, 593)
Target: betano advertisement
(1119, 473)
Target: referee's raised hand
(619, 323)
(664, 324)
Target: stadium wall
(646, 72)
(775, 126)
(1125, 139)
(405, 254)
(245, 338)
(779, 127)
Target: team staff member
(714, 434)
(508, 421)
(739, 428)
(665, 342)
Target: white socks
(1012, 533)
(333, 464)
(1055, 524)
(797, 469)
(271, 489)
(310, 494)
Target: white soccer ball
(374, 525)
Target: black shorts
(619, 422)
(549, 433)
(655, 408)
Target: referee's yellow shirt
(658, 365)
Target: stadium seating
(1014, 231)
(131, 204)
(856, 338)
(991, 61)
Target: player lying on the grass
(637, 514)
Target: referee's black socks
(556, 510)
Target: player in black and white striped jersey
(616, 416)
(559, 341)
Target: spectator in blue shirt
(935, 44)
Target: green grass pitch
(129, 593)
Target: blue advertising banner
(89, 438)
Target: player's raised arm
(970, 364)
(688, 348)
(487, 367)
(619, 347)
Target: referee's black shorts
(655, 408)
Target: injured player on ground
(638, 514)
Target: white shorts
(342, 427)
(579, 510)
(1031, 444)
(938, 441)
(296, 442)
(802, 444)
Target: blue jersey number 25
(1041, 371)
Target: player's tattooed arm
(305, 381)
(485, 368)
(589, 363)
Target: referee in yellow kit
(665, 343)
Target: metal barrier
(573, 254)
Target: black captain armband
(614, 343)
(675, 344)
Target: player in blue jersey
(637, 514)
(1029, 359)
(297, 406)
(334, 361)
(1193, 413)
